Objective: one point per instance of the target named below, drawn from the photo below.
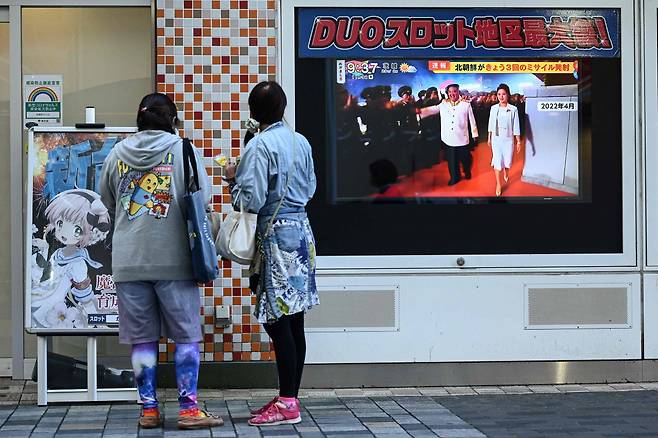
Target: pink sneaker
(278, 413)
(262, 409)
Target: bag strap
(285, 191)
(189, 158)
(238, 197)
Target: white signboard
(42, 96)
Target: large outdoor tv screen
(441, 130)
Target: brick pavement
(618, 410)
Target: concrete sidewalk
(617, 410)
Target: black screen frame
(495, 228)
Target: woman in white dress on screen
(504, 131)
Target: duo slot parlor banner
(450, 33)
(69, 285)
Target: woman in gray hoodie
(142, 186)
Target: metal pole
(16, 189)
(42, 370)
(92, 377)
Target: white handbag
(237, 236)
(236, 240)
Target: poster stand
(92, 393)
(68, 160)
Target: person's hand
(489, 143)
(229, 172)
(518, 147)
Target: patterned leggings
(144, 359)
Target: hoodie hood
(146, 149)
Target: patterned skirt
(287, 268)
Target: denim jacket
(268, 160)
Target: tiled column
(209, 55)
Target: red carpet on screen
(433, 182)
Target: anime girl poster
(69, 282)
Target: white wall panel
(650, 104)
(454, 318)
(650, 316)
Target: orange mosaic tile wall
(209, 55)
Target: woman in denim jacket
(278, 164)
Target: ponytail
(157, 112)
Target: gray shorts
(151, 309)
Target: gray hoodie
(142, 186)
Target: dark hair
(504, 87)
(267, 102)
(248, 136)
(157, 112)
(383, 172)
(367, 93)
(405, 89)
(452, 85)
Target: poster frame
(627, 259)
(650, 133)
(28, 224)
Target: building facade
(568, 294)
